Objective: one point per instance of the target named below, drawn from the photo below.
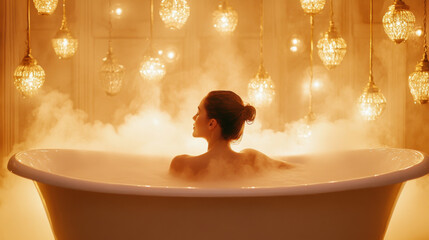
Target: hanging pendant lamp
(261, 88)
(28, 76)
(418, 81)
(372, 102)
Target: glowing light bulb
(28, 76)
(225, 18)
(118, 11)
(372, 102)
(312, 6)
(261, 89)
(295, 41)
(45, 7)
(152, 69)
(418, 81)
(398, 21)
(419, 32)
(171, 55)
(293, 48)
(317, 84)
(174, 13)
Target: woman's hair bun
(249, 113)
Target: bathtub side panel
(355, 214)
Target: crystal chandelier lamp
(418, 81)
(152, 68)
(174, 13)
(331, 47)
(111, 72)
(398, 21)
(372, 102)
(225, 18)
(45, 7)
(260, 89)
(312, 7)
(28, 76)
(64, 44)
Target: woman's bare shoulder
(178, 163)
(262, 160)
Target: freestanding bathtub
(101, 195)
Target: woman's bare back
(226, 165)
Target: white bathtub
(100, 195)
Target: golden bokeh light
(174, 13)
(398, 21)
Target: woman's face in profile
(201, 124)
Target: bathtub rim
(411, 172)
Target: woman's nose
(194, 117)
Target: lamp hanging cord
(110, 26)
(424, 29)
(261, 33)
(331, 13)
(64, 21)
(311, 63)
(370, 40)
(151, 25)
(28, 28)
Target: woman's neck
(218, 145)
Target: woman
(220, 120)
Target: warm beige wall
(196, 44)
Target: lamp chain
(332, 13)
(151, 25)
(261, 33)
(424, 29)
(370, 40)
(64, 22)
(311, 63)
(110, 26)
(28, 28)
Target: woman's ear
(212, 123)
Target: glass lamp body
(261, 90)
(111, 75)
(45, 7)
(29, 76)
(225, 19)
(64, 44)
(174, 13)
(152, 69)
(398, 22)
(418, 82)
(331, 49)
(372, 102)
(312, 6)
